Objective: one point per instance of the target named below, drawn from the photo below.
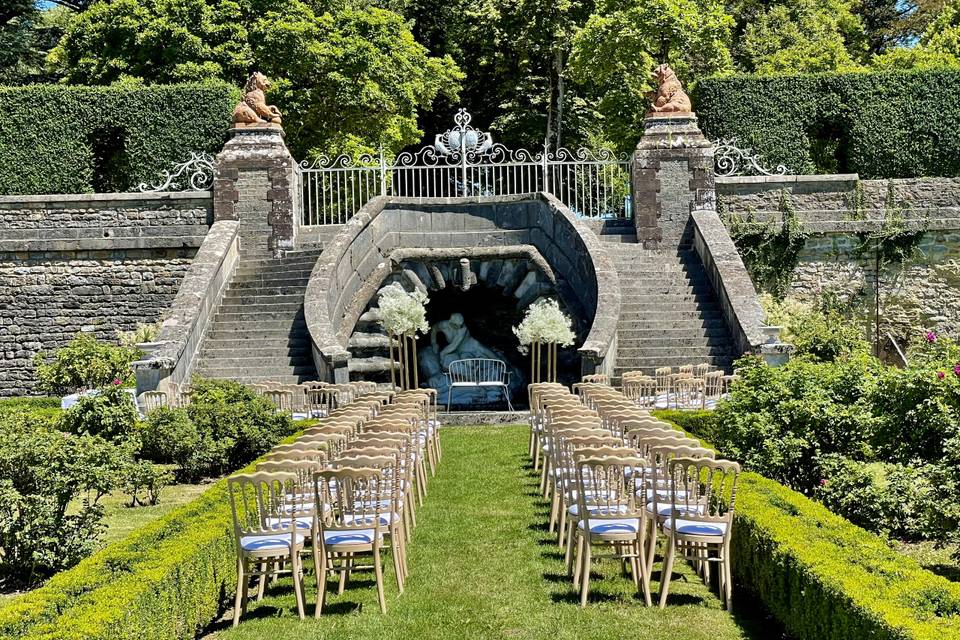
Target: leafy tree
(348, 77)
(939, 45)
(801, 36)
(26, 35)
(891, 24)
(618, 48)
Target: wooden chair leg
(397, 559)
(585, 579)
(296, 569)
(378, 571)
(241, 590)
(321, 569)
(667, 571)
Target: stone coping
(735, 292)
(602, 333)
(8, 202)
(787, 179)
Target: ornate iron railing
(466, 162)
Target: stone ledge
(732, 284)
(832, 178)
(37, 201)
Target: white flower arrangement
(403, 312)
(544, 322)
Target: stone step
(626, 354)
(258, 340)
(667, 324)
(273, 377)
(241, 363)
(633, 309)
(262, 303)
(371, 364)
(291, 354)
(632, 290)
(244, 273)
(245, 314)
(717, 330)
(368, 341)
(264, 289)
(282, 280)
(626, 345)
(266, 262)
(253, 374)
(256, 331)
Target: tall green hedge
(880, 125)
(824, 578)
(67, 139)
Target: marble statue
(670, 96)
(460, 345)
(253, 110)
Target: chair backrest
(597, 378)
(637, 438)
(704, 490)
(282, 399)
(702, 369)
(333, 442)
(344, 495)
(476, 370)
(605, 486)
(292, 455)
(259, 504)
(713, 384)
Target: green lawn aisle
(483, 566)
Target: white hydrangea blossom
(403, 312)
(544, 322)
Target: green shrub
(880, 125)
(698, 423)
(168, 579)
(42, 472)
(70, 139)
(41, 407)
(168, 436)
(824, 578)
(779, 420)
(110, 413)
(85, 363)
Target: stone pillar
(256, 183)
(672, 176)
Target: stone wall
(923, 293)
(99, 263)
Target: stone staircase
(259, 332)
(669, 314)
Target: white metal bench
(479, 373)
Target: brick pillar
(256, 183)
(672, 175)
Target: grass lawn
(483, 566)
(121, 520)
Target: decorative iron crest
(462, 138)
(731, 160)
(195, 174)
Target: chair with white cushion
(700, 521)
(267, 537)
(610, 515)
(352, 528)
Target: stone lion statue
(670, 96)
(253, 108)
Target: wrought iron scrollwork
(194, 174)
(732, 160)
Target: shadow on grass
(949, 571)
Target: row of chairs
(618, 478)
(308, 399)
(342, 492)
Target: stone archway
(528, 244)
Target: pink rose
(117, 381)
(931, 336)
(956, 369)
(823, 482)
(941, 374)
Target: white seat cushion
(357, 536)
(694, 528)
(574, 509)
(619, 525)
(491, 383)
(264, 542)
(386, 518)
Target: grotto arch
(532, 244)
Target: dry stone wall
(98, 263)
(923, 293)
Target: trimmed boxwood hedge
(880, 125)
(168, 579)
(822, 577)
(68, 139)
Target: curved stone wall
(354, 265)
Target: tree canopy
(352, 75)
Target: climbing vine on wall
(770, 248)
(889, 246)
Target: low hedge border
(822, 577)
(169, 579)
